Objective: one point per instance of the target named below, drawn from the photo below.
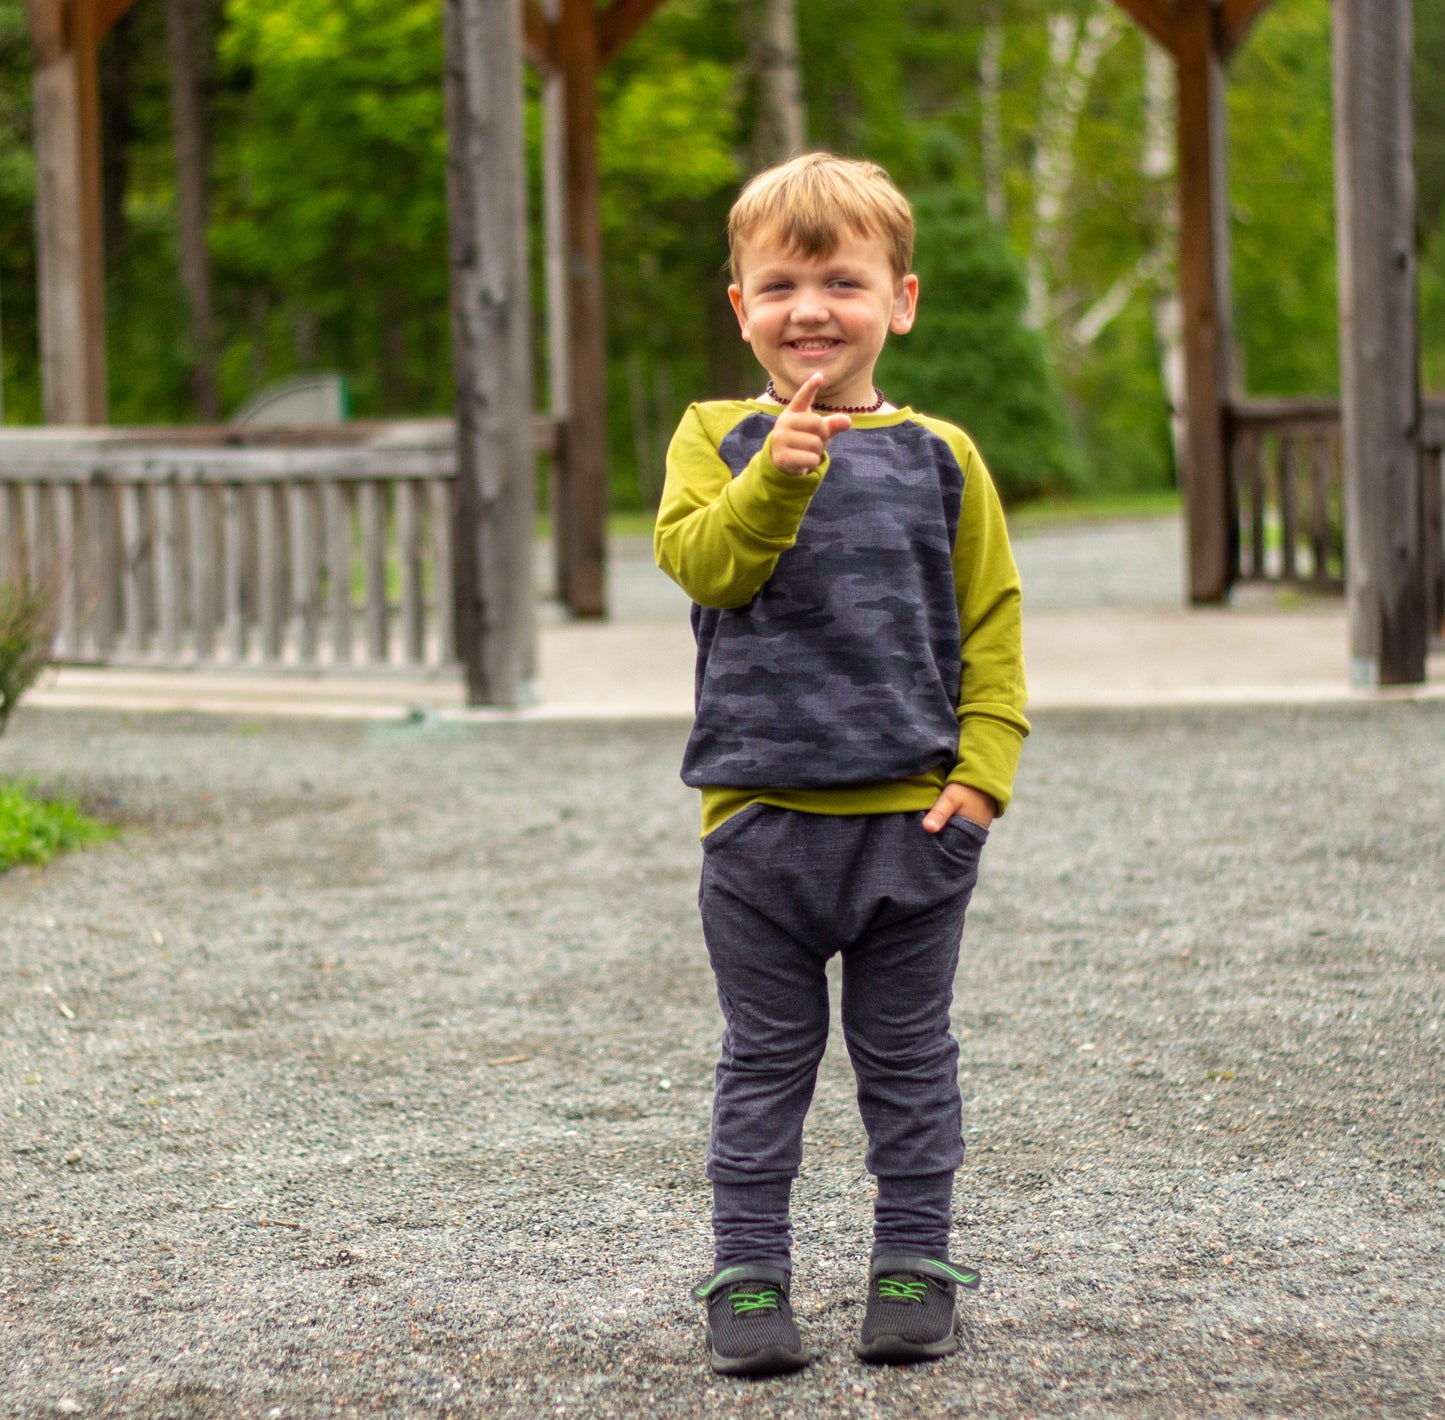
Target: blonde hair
(809, 203)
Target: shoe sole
(774, 1361)
(770, 1361)
(896, 1351)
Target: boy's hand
(961, 799)
(800, 437)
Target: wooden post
(68, 223)
(491, 352)
(559, 341)
(583, 484)
(1204, 287)
(1379, 342)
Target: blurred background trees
(275, 203)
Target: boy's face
(832, 314)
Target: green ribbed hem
(890, 797)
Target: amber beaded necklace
(772, 393)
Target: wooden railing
(1285, 457)
(164, 548)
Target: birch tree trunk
(1075, 52)
(188, 125)
(1157, 163)
(990, 96)
(780, 127)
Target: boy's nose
(809, 308)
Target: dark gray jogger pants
(781, 893)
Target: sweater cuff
(991, 737)
(770, 502)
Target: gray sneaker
(750, 1327)
(911, 1314)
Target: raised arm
(719, 537)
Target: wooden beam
(1154, 17)
(559, 330)
(1385, 576)
(1236, 18)
(582, 481)
(48, 35)
(108, 13)
(617, 24)
(1213, 530)
(68, 219)
(539, 38)
(495, 491)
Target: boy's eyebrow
(782, 265)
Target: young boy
(860, 698)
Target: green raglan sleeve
(719, 537)
(992, 693)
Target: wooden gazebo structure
(1388, 514)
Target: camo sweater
(858, 628)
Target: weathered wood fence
(165, 549)
(1285, 460)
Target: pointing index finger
(802, 402)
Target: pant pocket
(961, 840)
(730, 827)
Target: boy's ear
(905, 305)
(735, 295)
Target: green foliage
(33, 829)
(1114, 215)
(1282, 203)
(27, 625)
(1119, 408)
(1430, 112)
(1430, 182)
(19, 369)
(328, 213)
(1432, 313)
(330, 229)
(669, 131)
(970, 358)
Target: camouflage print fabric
(844, 669)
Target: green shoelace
(765, 1299)
(897, 1289)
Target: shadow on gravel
(372, 1079)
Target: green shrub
(27, 624)
(33, 830)
(971, 359)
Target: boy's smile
(829, 314)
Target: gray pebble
(388, 1072)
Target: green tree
(1430, 176)
(19, 366)
(971, 359)
(1282, 203)
(329, 227)
(671, 134)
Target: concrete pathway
(1105, 625)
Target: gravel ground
(368, 1074)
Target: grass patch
(33, 830)
(624, 522)
(1042, 512)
